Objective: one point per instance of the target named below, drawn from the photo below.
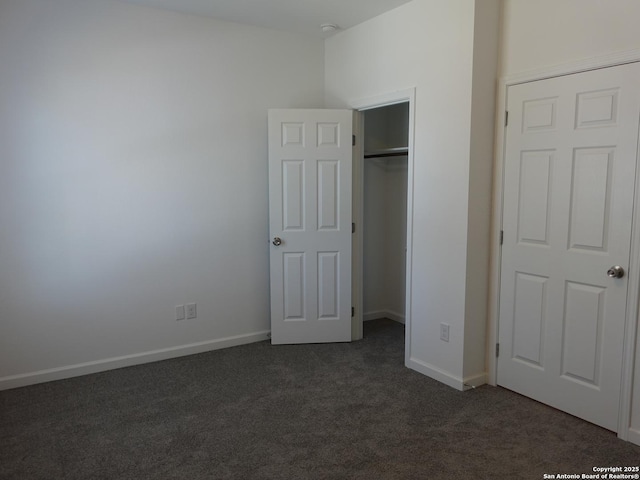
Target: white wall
(485, 64)
(546, 33)
(133, 145)
(396, 236)
(429, 45)
(374, 298)
(384, 237)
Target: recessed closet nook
(386, 134)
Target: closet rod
(386, 154)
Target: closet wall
(385, 212)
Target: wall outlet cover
(444, 332)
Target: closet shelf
(386, 152)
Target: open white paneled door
(310, 169)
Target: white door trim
(604, 61)
(631, 328)
(400, 96)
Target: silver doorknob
(616, 271)
(277, 241)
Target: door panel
(582, 331)
(590, 198)
(328, 184)
(535, 180)
(310, 212)
(292, 195)
(294, 276)
(529, 318)
(570, 160)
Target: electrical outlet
(444, 332)
(180, 312)
(191, 310)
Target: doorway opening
(384, 227)
(382, 171)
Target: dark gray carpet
(339, 411)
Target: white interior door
(571, 148)
(310, 163)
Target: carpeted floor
(338, 411)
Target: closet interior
(386, 135)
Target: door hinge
(353, 140)
(353, 311)
(497, 350)
(353, 228)
(501, 237)
(506, 118)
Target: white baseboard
(634, 436)
(437, 374)
(474, 381)
(69, 371)
(390, 314)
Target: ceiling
(300, 16)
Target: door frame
(611, 60)
(357, 278)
